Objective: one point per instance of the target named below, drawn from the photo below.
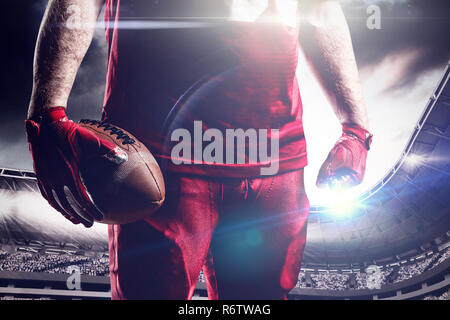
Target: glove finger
(72, 207)
(83, 197)
(338, 182)
(86, 204)
(41, 189)
(323, 175)
(325, 171)
(54, 203)
(322, 178)
(345, 178)
(350, 178)
(333, 165)
(74, 189)
(78, 206)
(66, 213)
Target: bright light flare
(340, 202)
(250, 11)
(413, 160)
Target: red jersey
(173, 64)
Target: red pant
(253, 229)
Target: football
(128, 187)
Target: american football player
(230, 64)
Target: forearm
(64, 38)
(326, 40)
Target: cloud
(416, 26)
(399, 74)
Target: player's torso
(229, 63)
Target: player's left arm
(326, 42)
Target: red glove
(58, 146)
(346, 163)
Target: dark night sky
(407, 25)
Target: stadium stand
(326, 280)
(53, 263)
(444, 296)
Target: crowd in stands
(323, 280)
(327, 280)
(52, 263)
(332, 281)
(362, 280)
(443, 256)
(408, 271)
(444, 296)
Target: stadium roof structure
(15, 180)
(18, 228)
(405, 214)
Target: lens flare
(340, 202)
(413, 160)
(249, 11)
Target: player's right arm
(64, 37)
(58, 145)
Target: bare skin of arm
(326, 41)
(64, 37)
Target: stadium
(393, 242)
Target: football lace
(112, 129)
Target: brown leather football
(127, 188)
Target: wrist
(359, 132)
(49, 115)
(48, 118)
(41, 104)
(52, 115)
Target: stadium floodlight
(413, 160)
